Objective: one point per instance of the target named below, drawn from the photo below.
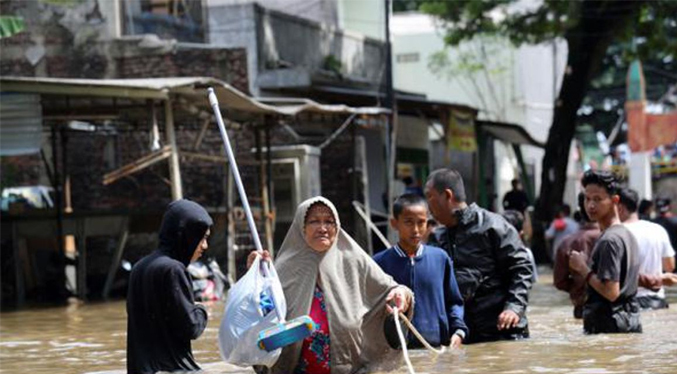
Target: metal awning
(192, 89)
(407, 102)
(128, 100)
(509, 132)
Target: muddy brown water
(90, 338)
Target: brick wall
(229, 65)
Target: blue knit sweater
(438, 311)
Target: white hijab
(355, 289)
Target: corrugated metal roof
(20, 124)
(194, 88)
(509, 132)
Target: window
(168, 19)
(407, 57)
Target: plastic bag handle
(265, 270)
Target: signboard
(646, 131)
(461, 134)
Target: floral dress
(315, 352)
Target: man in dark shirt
(613, 276)
(162, 317)
(492, 265)
(516, 199)
(668, 220)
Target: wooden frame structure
(96, 100)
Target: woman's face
(320, 228)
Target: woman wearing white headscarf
(327, 275)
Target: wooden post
(122, 240)
(19, 288)
(362, 149)
(269, 171)
(60, 169)
(174, 169)
(81, 234)
(392, 165)
(264, 194)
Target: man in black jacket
(162, 317)
(491, 263)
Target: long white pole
(236, 173)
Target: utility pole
(389, 97)
(390, 104)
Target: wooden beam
(201, 135)
(80, 117)
(83, 90)
(137, 165)
(358, 208)
(217, 159)
(194, 110)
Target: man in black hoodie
(162, 316)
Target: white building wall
(366, 17)
(416, 40)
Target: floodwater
(90, 338)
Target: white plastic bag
(244, 318)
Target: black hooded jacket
(162, 317)
(492, 269)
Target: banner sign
(461, 134)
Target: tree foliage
(652, 29)
(650, 36)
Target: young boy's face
(411, 225)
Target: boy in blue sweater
(429, 272)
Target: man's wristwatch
(460, 333)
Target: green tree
(591, 27)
